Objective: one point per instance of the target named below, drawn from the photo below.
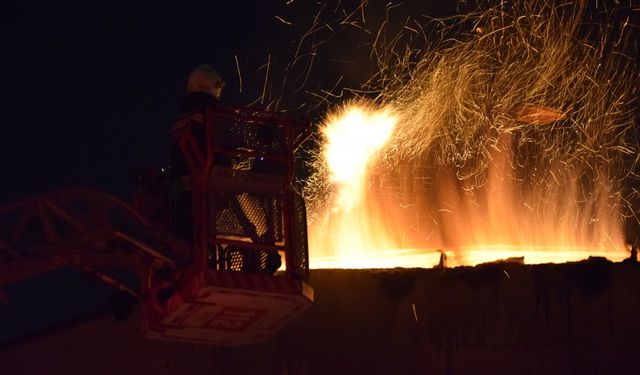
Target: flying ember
(508, 140)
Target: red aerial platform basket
(236, 275)
(248, 220)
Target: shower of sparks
(510, 137)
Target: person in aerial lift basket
(204, 88)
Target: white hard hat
(205, 79)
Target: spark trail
(511, 137)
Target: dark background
(89, 89)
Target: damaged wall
(497, 318)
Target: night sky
(89, 90)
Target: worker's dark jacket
(193, 103)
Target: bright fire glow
(484, 153)
(353, 138)
(362, 228)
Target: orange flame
(508, 142)
(348, 231)
(364, 227)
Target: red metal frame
(202, 164)
(185, 297)
(79, 228)
(215, 304)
